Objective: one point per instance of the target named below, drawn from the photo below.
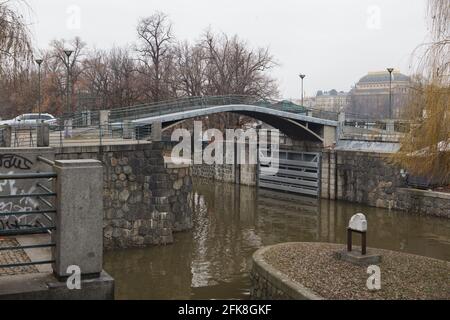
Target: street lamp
(68, 53)
(390, 70)
(39, 62)
(302, 76)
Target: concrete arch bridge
(293, 120)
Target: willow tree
(425, 150)
(15, 42)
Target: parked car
(31, 120)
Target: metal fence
(25, 225)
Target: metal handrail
(26, 176)
(38, 227)
(46, 161)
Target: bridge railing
(195, 103)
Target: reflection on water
(231, 223)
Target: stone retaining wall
(145, 199)
(371, 179)
(270, 284)
(366, 177)
(424, 202)
(245, 174)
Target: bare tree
(191, 67)
(154, 48)
(234, 68)
(61, 64)
(111, 77)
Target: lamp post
(68, 122)
(302, 76)
(39, 62)
(68, 53)
(390, 70)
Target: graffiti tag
(24, 204)
(15, 161)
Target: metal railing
(17, 228)
(99, 134)
(195, 103)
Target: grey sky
(334, 42)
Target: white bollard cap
(358, 223)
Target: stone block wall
(145, 199)
(371, 179)
(268, 283)
(263, 288)
(247, 174)
(424, 202)
(368, 178)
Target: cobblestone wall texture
(145, 200)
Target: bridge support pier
(156, 132)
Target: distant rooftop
(383, 76)
(331, 93)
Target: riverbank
(311, 271)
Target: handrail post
(79, 218)
(6, 137)
(43, 135)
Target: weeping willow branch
(15, 41)
(425, 150)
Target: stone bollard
(43, 135)
(156, 132)
(6, 132)
(79, 219)
(358, 224)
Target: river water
(230, 223)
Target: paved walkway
(13, 257)
(22, 256)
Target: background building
(370, 97)
(331, 101)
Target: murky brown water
(231, 223)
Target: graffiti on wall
(16, 163)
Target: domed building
(370, 96)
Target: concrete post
(104, 117)
(156, 132)
(127, 129)
(6, 137)
(87, 118)
(43, 135)
(79, 219)
(68, 127)
(329, 136)
(341, 118)
(390, 126)
(341, 125)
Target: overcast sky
(334, 42)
